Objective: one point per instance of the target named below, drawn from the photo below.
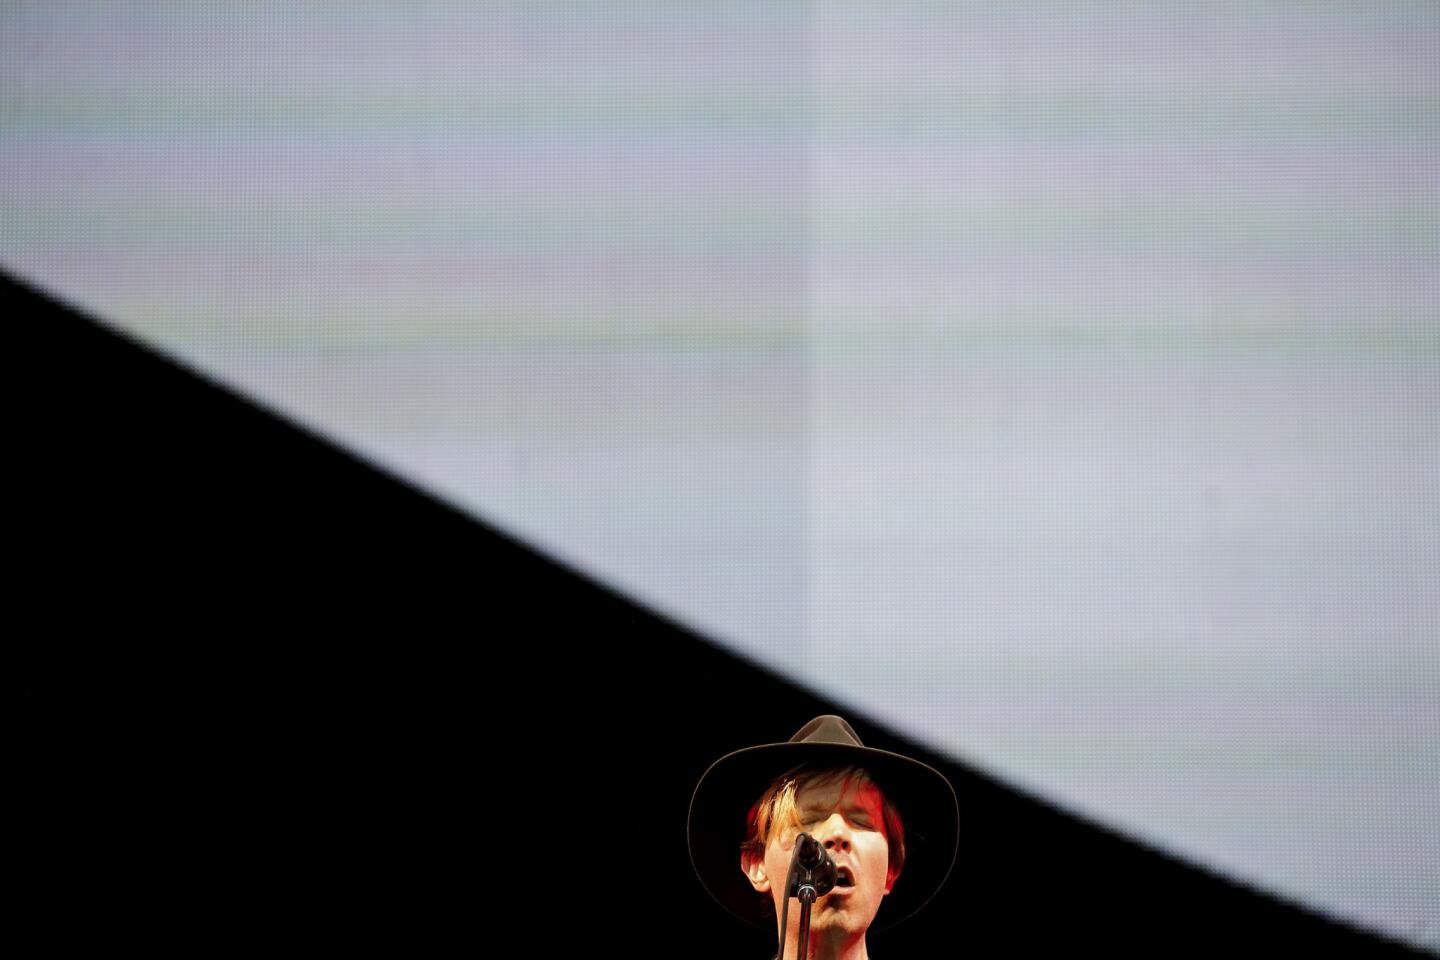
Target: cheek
(777, 864)
(877, 857)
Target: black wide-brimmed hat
(728, 790)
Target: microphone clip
(812, 872)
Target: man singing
(875, 813)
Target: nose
(834, 833)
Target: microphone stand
(807, 883)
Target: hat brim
(717, 824)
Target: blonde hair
(776, 808)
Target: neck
(827, 945)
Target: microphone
(812, 854)
(812, 872)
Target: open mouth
(843, 878)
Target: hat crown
(827, 729)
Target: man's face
(844, 816)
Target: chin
(838, 919)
